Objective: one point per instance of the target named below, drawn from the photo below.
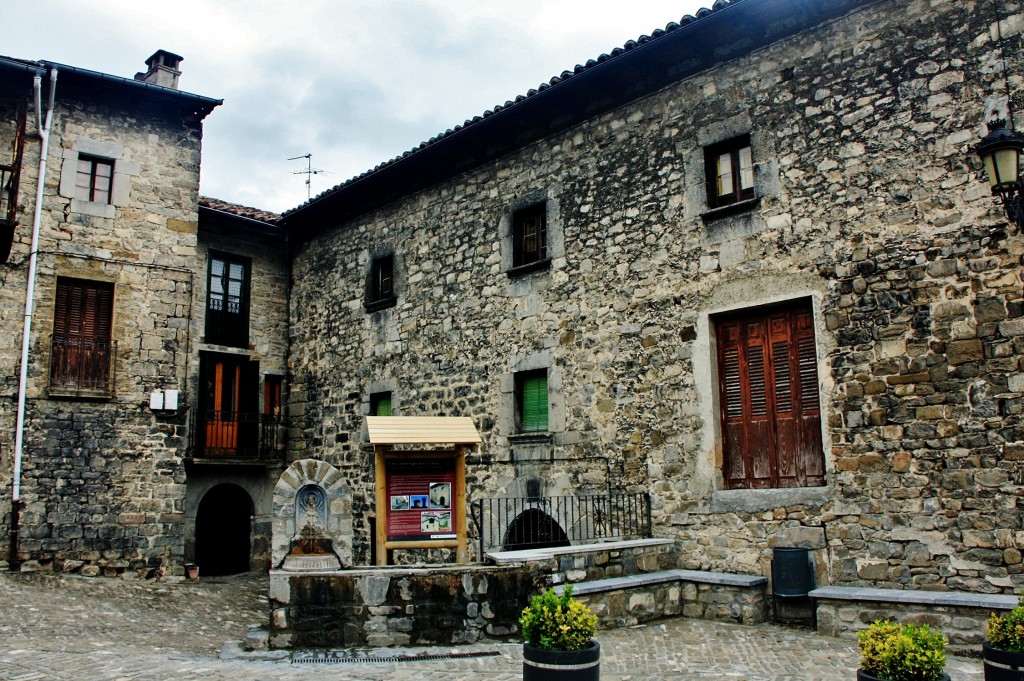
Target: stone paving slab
(64, 628)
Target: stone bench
(632, 599)
(844, 610)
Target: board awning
(422, 430)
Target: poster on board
(420, 491)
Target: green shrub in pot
(902, 652)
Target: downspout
(43, 128)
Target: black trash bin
(792, 575)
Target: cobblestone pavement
(58, 627)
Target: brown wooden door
(770, 412)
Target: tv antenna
(309, 172)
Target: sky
(355, 83)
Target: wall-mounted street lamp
(1000, 150)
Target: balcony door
(230, 406)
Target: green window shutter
(384, 406)
(535, 403)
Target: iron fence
(236, 435)
(536, 522)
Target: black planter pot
(562, 665)
(864, 676)
(1002, 665)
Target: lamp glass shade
(1000, 152)
(1002, 166)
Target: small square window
(380, 289)
(529, 235)
(532, 401)
(94, 179)
(380, 404)
(729, 167)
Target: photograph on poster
(440, 495)
(400, 503)
(434, 521)
(418, 500)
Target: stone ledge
(957, 599)
(665, 576)
(502, 557)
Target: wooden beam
(381, 525)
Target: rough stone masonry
(870, 204)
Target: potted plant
(1003, 650)
(558, 639)
(901, 652)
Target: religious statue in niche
(311, 536)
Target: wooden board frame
(382, 454)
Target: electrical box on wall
(163, 400)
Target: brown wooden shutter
(83, 309)
(82, 323)
(771, 434)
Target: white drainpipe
(44, 134)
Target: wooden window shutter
(80, 352)
(534, 400)
(384, 406)
(771, 427)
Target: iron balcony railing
(523, 523)
(82, 365)
(236, 435)
(8, 193)
(10, 180)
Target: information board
(420, 499)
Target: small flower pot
(192, 571)
(562, 665)
(1002, 665)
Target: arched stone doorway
(223, 531)
(534, 529)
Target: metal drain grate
(348, 657)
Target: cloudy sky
(354, 82)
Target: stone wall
(961, 617)
(641, 603)
(872, 206)
(631, 582)
(103, 483)
(397, 606)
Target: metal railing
(236, 435)
(10, 173)
(522, 523)
(82, 364)
(8, 193)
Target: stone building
(748, 264)
(105, 471)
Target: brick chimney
(163, 69)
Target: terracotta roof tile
(239, 210)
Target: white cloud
(354, 82)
